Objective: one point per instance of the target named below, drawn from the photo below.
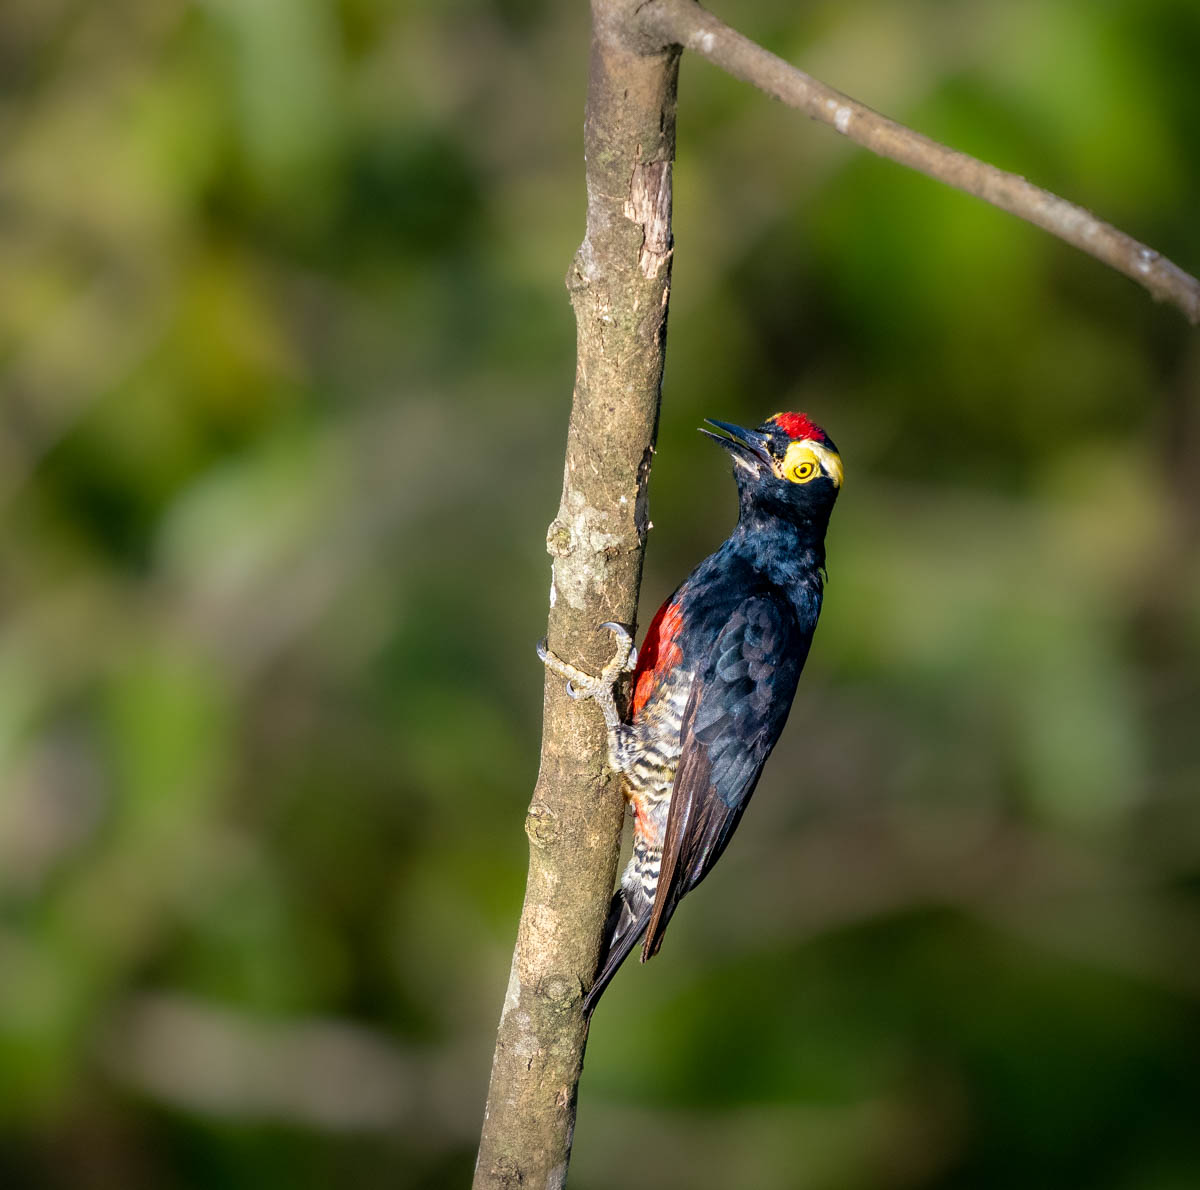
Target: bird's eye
(803, 472)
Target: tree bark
(619, 283)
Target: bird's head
(787, 467)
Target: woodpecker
(715, 677)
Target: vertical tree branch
(619, 283)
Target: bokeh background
(286, 362)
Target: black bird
(715, 677)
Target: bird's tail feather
(626, 924)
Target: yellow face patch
(805, 461)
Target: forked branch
(620, 284)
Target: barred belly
(648, 757)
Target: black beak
(748, 447)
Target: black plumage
(717, 675)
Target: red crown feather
(798, 426)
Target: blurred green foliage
(286, 362)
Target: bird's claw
(626, 656)
(581, 685)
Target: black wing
(627, 919)
(738, 705)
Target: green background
(286, 361)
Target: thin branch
(685, 23)
(619, 284)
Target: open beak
(748, 447)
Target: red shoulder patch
(798, 426)
(659, 653)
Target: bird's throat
(788, 554)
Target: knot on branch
(506, 1172)
(583, 268)
(561, 992)
(541, 825)
(560, 541)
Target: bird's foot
(583, 685)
